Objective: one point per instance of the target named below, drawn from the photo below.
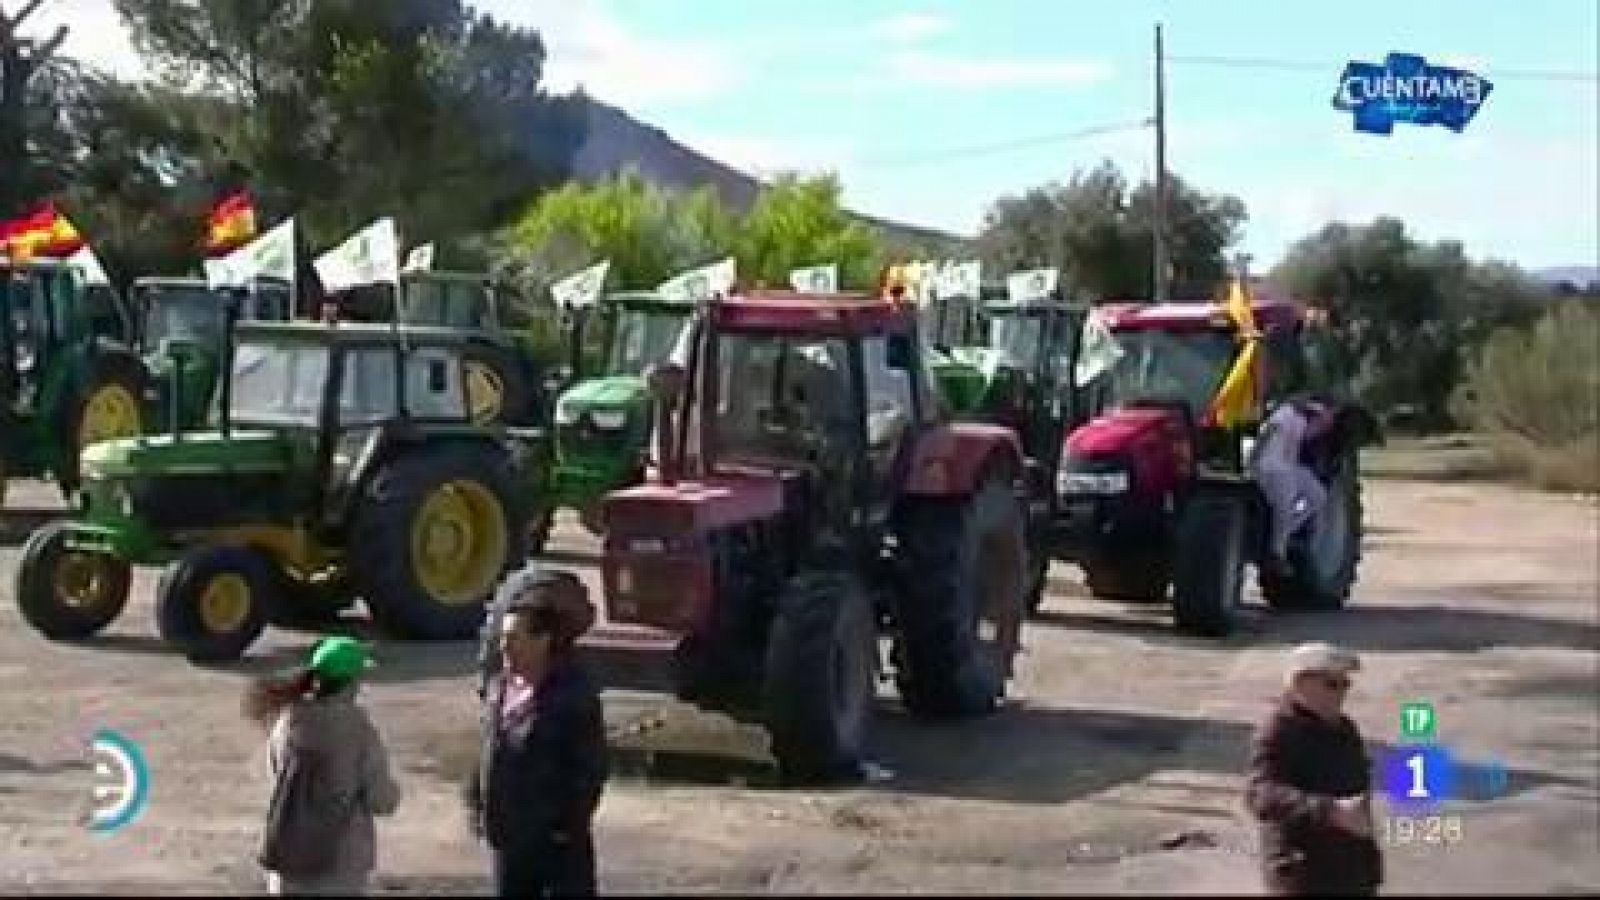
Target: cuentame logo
(1406, 89)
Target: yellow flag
(1235, 402)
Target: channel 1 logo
(122, 784)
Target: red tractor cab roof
(1128, 316)
(841, 314)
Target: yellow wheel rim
(82, 580)
(110, 412)
(225, 603)
(486, 392)
(458, 542)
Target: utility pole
(20, 59)
(1163, 274)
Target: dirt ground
(1115, 769)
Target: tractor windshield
(643, 337)
(187, 313)
(446, 303)
(1170, 366)
(1015, 338)
(279, 383)
(781, 397)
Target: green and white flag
(1033, 286)
(815, 279)
(960, 279)
(420, 259)
(696, 286)
(1098, 352)
(94, 274)
(583, 289)
(269, 256)
(370, 256)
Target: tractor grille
(207, 501)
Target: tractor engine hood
(691, 508)
(1118, 432)
(1142, 450)
(196, 453)
(614, 397)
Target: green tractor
(504, 375)
(603, 423)
(186, 313)
(949, 324)
(69, 375)
(344, 463)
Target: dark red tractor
(1155, 497)
(808, 498)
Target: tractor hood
(195, 453)
(1119, 432)
(611, 393)
(688, 508)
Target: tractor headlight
(1092, 483)
(566, 414)
(609, 419)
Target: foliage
(1100, 233)
(798, 222)
(1535, 392)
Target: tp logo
(123, 781)
(1406, 89)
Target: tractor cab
(68, 376)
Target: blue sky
(888, 93)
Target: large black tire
(966, 562)
(1325, 556)
(1131, 577)
(109, 373)
(1208, 563)
(215, 601)
(819, 681)
(516, 403)
(66, 594)
(475, 480)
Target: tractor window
(783, 398)
(888, 403)
(187, 313)
(103, 311)
(446, 303)
(434, 386)
(367, 395)
(1016, 339)
(643, 337)
(28, 329)
(1170, 366)
(279, 384)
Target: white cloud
(588, 44)
(970, 72)
(95, 35)
(909, 27)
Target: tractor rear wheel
(68, 594)
(214, 601)
(434, 532)
(1325, 556)
(108, 403)
(1208, 564)
(1131, 577)
(497, 388)
(961, 610)
(820, 680)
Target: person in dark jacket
(544, 761)
(1309, 782)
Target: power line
(1018, 143)
(1294, 65)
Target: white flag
(269, 256)
(1098, 351)
(420, 259)
(960, 279)
(370, 256)
(816, 279)
(1032, 286)
(94, 274)
(697, 285)
(583, 289)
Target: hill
(616, 140)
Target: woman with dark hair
(330, 774)
(543, 764)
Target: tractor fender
(949, 459)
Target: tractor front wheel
(497, 388)
(214, 602)
(820, 679)
(432, 537)
(68, 594)
(107, 404)
(1208, 569)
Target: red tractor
(1154, 496)
(808, 495)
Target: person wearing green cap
(330, 772)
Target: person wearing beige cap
(1309, 782)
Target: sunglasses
(1334, 682)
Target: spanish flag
(232, 223)
(41, 232)
(1235, 402)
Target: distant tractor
(344, 463)
(809, 494)
(1155, 497)
(69, 375)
